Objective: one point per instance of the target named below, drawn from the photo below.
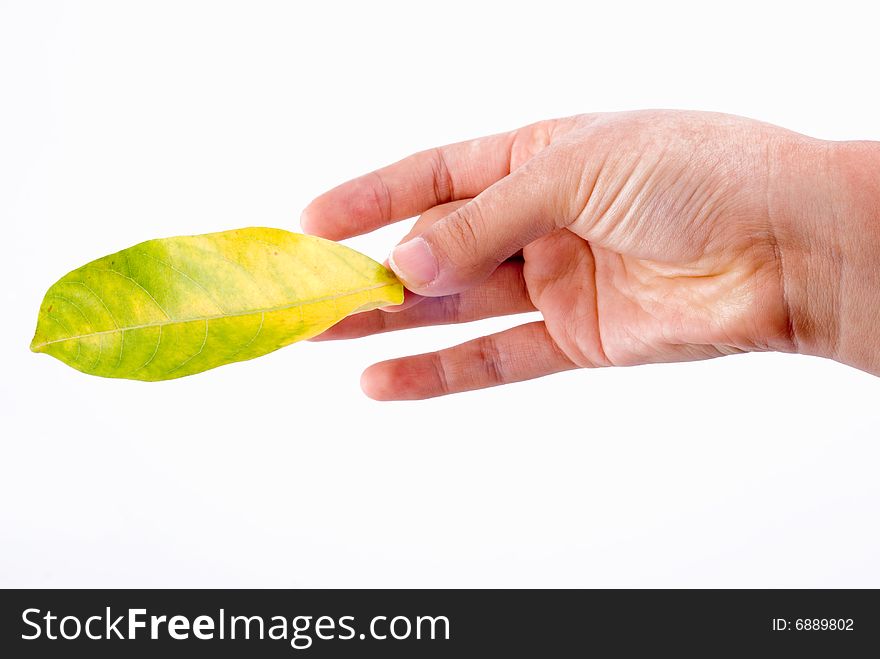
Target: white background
(123, 121)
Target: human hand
(641, 237)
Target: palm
(604, 308)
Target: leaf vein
(74, 305)
(116, 272)
(198, 352)
(155, 350)
(253, 338)
(64, 326)
(99, 298)
(182, 274)
(249, 312)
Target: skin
(641, 237)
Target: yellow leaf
(177, 306)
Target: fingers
(409, 187)
(504, 293)
(520, 353)
(427, 219)
(430, 217)
(410, 299)
(464, 247)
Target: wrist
(857, 174)
(832, 249)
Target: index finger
(410, 186)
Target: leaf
(177, 306)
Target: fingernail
(304, 221)
(414, 263)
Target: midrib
(249, 312)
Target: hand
(641, 237)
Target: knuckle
(381, 195)
(450, 308)
(529, 141)
(441, 177)
(440, 369)
(490, 359)
(459, 234)
(380, 321)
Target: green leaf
(177, 306)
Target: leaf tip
(38, 343)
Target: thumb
(467, 245)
